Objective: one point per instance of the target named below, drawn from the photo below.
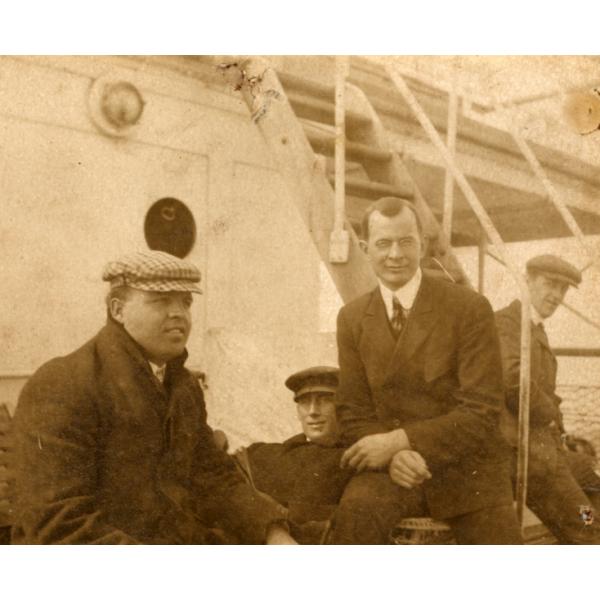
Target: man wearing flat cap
(112, 443)
(553, 493)
(303, 473)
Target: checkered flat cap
(152, 271)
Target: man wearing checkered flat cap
(555, 473)
(112, 442)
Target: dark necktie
(398, 317)
(542, 331)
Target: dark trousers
(372, 505)
(559, 502)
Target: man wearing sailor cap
(112, 443)
(553, 493)
(303, 473)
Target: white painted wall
(73, 198)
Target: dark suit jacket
(441, 382)
(545, 417)
(105, 454)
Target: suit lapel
(377, 342)
(421, 322)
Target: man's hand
(409, 469)
(374, 451)
(278, 535)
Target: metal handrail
(494, 236)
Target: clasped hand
(374, 451)
(409, 469)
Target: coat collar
(536, 332)
(127, 372)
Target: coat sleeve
(222, 489)
(471, 427)
(543, 408)
(55, 436)
(356, 410)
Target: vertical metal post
(449, 180)
(339, 243)
(524, 386)
(481, 254)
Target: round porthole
(170, 227)
(115, 103)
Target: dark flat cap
(556, 268)
(315, 379)
(153, 271)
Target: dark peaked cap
(315, 379)
(556, 268)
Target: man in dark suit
(419, 397)
(554, 493)
(112, 441)
(303, 473)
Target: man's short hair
(120, 293)
(389, 206)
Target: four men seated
(113, 444)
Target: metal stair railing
(306, 181)
(553, 195)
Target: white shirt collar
(406, 294)
(159, 372)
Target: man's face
(546, 293)
(394, 247)
(160, 322)
(316, 411)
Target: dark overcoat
(301, 475)
(545, 417)
(440, 381)
(106, 454)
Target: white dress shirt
(406, 294)
(159, 372)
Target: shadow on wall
(246, 396)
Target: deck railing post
(449, 180)
(339, 242)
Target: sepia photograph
(300, 299)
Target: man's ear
(116, 309)
(364, 245)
